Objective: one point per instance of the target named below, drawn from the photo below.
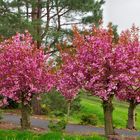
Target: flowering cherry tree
(92, 67)
(129, 58)
(67, 83)
(100, 66)
(24, 73)
(100, 76)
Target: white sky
(122, 13)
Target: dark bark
(36, 17)
(48, 20)
(36, 106)
(68, 110)
(108, 119)
(59, 23)
(131, 115)
(25, 115)
(27, 10)
(58, 16)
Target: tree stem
(108, 118)
(131, 115)
(68, 110)
(25, 116)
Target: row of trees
(99, 61)
(49, 21)
(95, 61)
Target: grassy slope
(92, 105)
(26, 135)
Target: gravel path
(71, 128)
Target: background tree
(42, 17)
(59, 107)
(67, 84)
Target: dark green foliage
(58, 113)
(11, 19)
(78, 5)
(54, 103)
(10, 24)
(17, 15)
(89, 119)
(97, 13)
(76, 105)
(57, 126)
(12, 104)
(115, 33)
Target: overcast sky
(122, 13)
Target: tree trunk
(131, 115)
(27, 9)
(108, 119)
(36, 106)
(25, 116)
(36, 19)
(68, 110)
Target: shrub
(12, 104)
(89, 119)
(57, 126)
(58, 113)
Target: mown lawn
(26, 135)
(92, 105)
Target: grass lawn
(26, 135)
(92, 105)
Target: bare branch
(70, 23)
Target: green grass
(92, 105)
(26, 135)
